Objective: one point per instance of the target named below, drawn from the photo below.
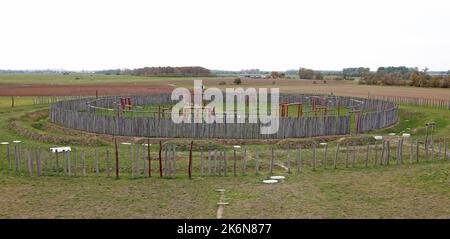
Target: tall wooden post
(160, 159)
(117, 158)
(149, 158)
(190, 160)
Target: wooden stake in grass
(108, 166)
(225, 162)
(234, 158)
(314, 157)
(417, 150)
(83, 162)
(160, 159)
(354, 155)
(388, 147)
(289, 159)
(190, 160)
(271, 162)
(346, 155)
(376, 153)
(299, 159)
(335, 161)
(149, 158)
(367, 155)
(256, 161)
(12, 101)
(440, 148)
(117, 158)
(96, 161)
(202, 163)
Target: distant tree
(305, 73)
(309, 74)
(275, 75)
(237, 81)
(355, 72)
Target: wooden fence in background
(416, 101)
(79, 114)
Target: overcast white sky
(224, 34)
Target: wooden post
(401, 151)
(336, 156)
(69, 166)
(83, 162)
(57, 164)
(8, 153)
(388, 152)
(75, 162)
(160, 159)
(271, 162)
(202, 162)
(417, 150)
(314, 157)
(133, 164)
(325, 160)
(432, 148)
(234, 157)
(289, 159)
(445, 145)
(225, 162)
(220, 162)
(209, 161)
(346, 155)
(411, 155)
(190, 160)
(439, 148)
(244, 163)
(15, 158)
(38, 162)
(96, 161)
(64, 163)
(165, 161)
(299, 160)
(117, 158)
(383, 149)
(149, 157)
(256, 161)
(367, 155)
(215, 161)
(108, 166)
(376, 153)
(354, 155)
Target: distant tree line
(405, 76)
(160, 71)
(305, 73)
(355, 72)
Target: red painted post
(129, 103)
(190, 160)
